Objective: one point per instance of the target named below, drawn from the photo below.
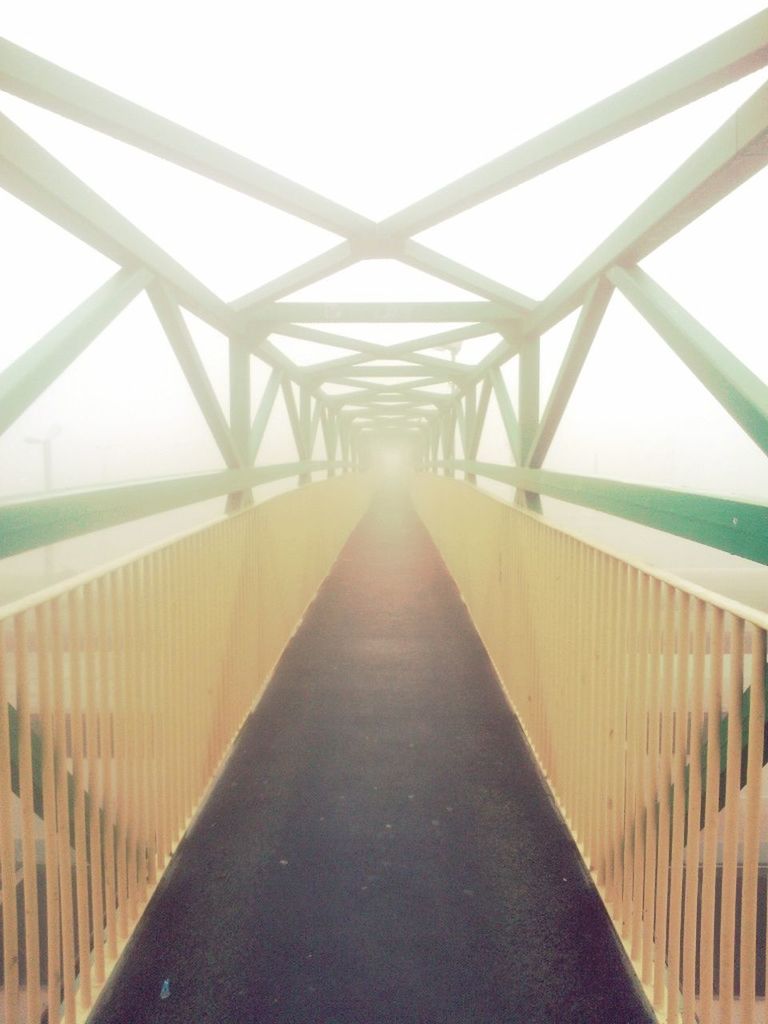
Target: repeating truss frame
(441, 424)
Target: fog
(375, 106)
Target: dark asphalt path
(379, 847)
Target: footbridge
(385, 746)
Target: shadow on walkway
(380, 847)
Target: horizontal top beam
(443, 370)
(379, 312)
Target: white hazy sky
(375, 105)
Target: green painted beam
(25, 525)
(739, 527)
(730, 56)
(741, 393)
(379, 312)
(37, 368)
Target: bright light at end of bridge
(391, 460)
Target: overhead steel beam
(480, 416)
(411, 361)
(35, 370)
(730, 56)
(590, 318)
(54, 190)
(461, 423)
(177, 332)
(381, 402)
(736, 151)
(261, 419)
(507, 348)
(26, 75)
(379, 312)
(270, 354)
(416, 255)
(316, 417)
(370, 348)
(738, 527)
(448, 371)
(46, 202)
(445, 339)
(508, 415)
(741, 393)
(31, 524)
(330, 427)
(304, 333)
(528, 391)
(293, 416)
(412, 253)
(240, 413)
(316, 269)
(389, 412)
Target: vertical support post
(448, 430)
(305, 429)
(528, 410)
(331, 433)
(435, 444)
(470, 425)
(344, 441)
(240, 414)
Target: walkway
(379, 848)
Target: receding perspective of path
(379, 847)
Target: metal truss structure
(445, 424)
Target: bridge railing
(643, 699)
(121, 693)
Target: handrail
(32, 523)
(121, 692)
(738, 527)
(644, 701)
(727, 604)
